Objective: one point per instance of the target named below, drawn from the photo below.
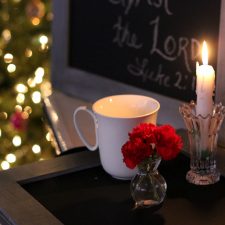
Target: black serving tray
(91, 196)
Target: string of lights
(25, 42)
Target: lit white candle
(205, 84)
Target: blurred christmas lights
(17, 141)
(11, 158)
(20, 98)
(36, 149)
(36, 97)
(11, 68)
(21, 88)
(5, 165)
(6, 34)
(8, 58)
(23, 77)
(28, 53)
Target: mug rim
(127, 117)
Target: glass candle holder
(202, 135)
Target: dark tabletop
(91, 196)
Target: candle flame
(204, 53)
(197, 65)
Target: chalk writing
(124, 37)
(172, 49)
(128, 5)
(159, 4)
(142, 68)
(150, 44)
(167, 47)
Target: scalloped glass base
(202, 179)
(203, 136)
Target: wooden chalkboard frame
(91, 87)
(17, 206)
(220, 79)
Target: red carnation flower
(135, 151)
(169, 143)
(145, 131)
(147, 139)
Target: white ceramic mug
(115, 116)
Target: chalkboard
(151, 44)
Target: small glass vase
(148, 187)
(202, 135)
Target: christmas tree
(24, 74)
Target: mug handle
(80, 134)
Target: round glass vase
(148, 187)
(202, 135)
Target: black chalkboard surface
(151, 44)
